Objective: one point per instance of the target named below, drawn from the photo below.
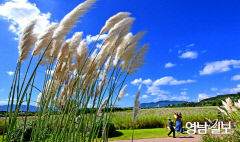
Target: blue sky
(194, 45)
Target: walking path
(193, 138)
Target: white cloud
(140, 80)
(3, 102)
(236, 77)
(10, 73)
(126, 95)
(155, 90)
(183, 93)
(147, 81)
(20, 12)
(190, 45)
(220, 66)
(136, 81)
(232, 90)
(160, 98)
(235, 90)
(145, 96)
(189, 55)
(90, 39)
(180, 98)
(99, 45)
(202, 96)
(169, 65)
(214, 89)
(169, 80)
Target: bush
(3, 128)
(223, 138)
(30, 125)
(111, 130)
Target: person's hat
(169, 117)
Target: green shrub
(28, 132)
(111, 130)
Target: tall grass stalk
(70, 96)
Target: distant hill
(160, 104)
(22, 108)
(213, 101)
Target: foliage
(213, 101)
(157, 117)
(232, 110)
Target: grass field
(157, 118)
(152, 123)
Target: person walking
(179, 124)
(170, 123)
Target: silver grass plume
(237, 104)
(138, 60)
(99, 113)
(137, 37)
(227, 107)
(126, 22)
(82, 51)
(121, 24)
(136, 109)
(81, 57)
(92, 62)
(122, 92)
(107, 66)
(64, 51)
(121, 48)
(51, 87)
(222, 110)
(113, 20)
(132, 46)
(39, 99)
(130, 49)
(67, 23)
(101, 84)
(57, 44)
(44, 39)
(27, 39)
(102, 55)
(229, 102)
(75, 40)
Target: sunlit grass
(157, 118)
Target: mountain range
(160, 104)
(22, 108)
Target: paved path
(194, 138)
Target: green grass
(157, 117)
(141, 134)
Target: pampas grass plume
(71, 18)
(113, 20)
(136, 109)
(99, 113)
(122, 92)
(27, 39)
(44, 39)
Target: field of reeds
(157, 117)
